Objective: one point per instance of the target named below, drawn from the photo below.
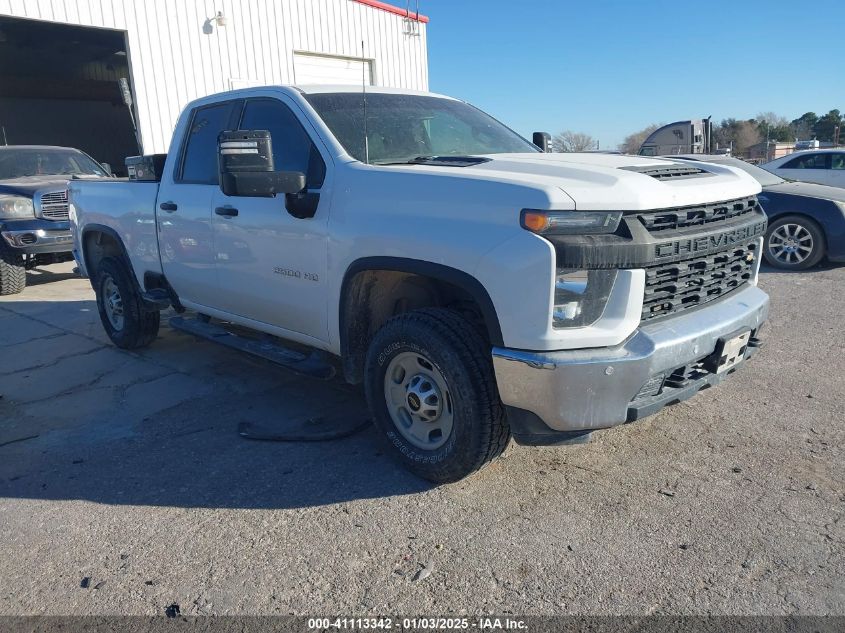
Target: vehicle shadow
(83, 420)
(38, 276)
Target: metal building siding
(173, 61)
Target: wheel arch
(99, 241)
(361, 312)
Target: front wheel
(431, 388)
(125, 317)
(12, 271)
(794, 242)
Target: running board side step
(312, 365)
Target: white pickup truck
(480, 288)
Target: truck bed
(125, 207)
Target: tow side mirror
(543, 140)
(245, 159)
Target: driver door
(271, 266)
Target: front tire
(794, 242)
(12, 271)
(432, 391)
(125, 317)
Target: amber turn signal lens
(536, 222)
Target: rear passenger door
(271, 266)
(185, 232)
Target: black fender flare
(453, 276)
(106, 230)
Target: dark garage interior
(59, 85)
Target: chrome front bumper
(35, 241)
(575, 391)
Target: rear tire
(794, 242)
(12, 271)
(432, 391)
(125, 317)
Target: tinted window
(837, 161)
(200, 160)
(292, 147)
(808, 161)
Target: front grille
(700, 215)
(54, 205)
(672, 288)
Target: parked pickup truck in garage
(478, 287)
(34, 209)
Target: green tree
(826, 126)
(774, 127)
(803, 128)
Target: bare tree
(746, 135)
(568, 141)
(736, 134)
(632, 142)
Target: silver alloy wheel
(113, 303)
(790, 244)
(419, 401)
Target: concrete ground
(125, 488)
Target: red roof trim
(377, 4)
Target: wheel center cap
(423, 398)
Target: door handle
(227, 212)
(170, 207)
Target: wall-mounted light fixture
(219, 20)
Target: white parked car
(823, 166)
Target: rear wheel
(431, 388)
(125, 317)
(12, 271)
(794, 242)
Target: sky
(610, 67)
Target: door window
(293, 149)
(837, 161)
(199, 160)
(808, 161)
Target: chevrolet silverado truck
(34, 227)
(478, 287)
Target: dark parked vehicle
(806, 220)
(34, 207)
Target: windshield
(762, 176)
(20, 163)
(401, 128)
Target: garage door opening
(59, 85)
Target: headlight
(570, 222)
(581, 296)
(15, 207)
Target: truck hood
(618, 182)
(808, 189)
(28, 185)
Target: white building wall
(175, 56)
